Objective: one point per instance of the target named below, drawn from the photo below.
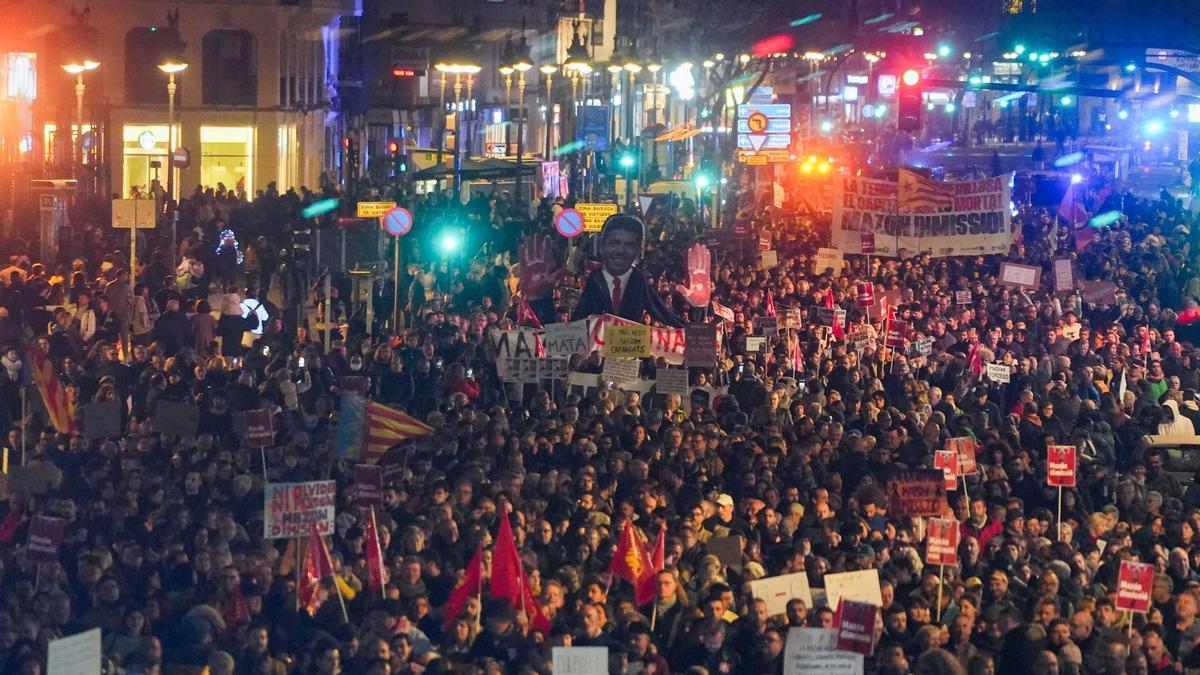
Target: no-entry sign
(569, 223)
(398, 221)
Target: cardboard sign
(998, 372)
(579, 660)
(776, 592)
(828, 259)
(727, 549)
(1028, 277)
(861, 586)
(101, 420)
(856, 632)
(566, 339)
(176, 418)
(1100, 292)
(1064, 275)
(770, 259)
(368, 485)
(755, 343)
(866, 295)
(45, 536)
(789, 318)
(259, 431)
(965, 447)
(947, 461)
(627, 342)
(722, 311)
(293, 510)
(866, 242)
(917, 492)
(1134, 584)
(1060, 465)
(962, 297)
(896, 330)
(672, 381)
(767, 325)
(700, 345)
(356, 384)
(941, 543)
(620, 371)
(34, 479)
(75, 655)
(812, 651)
(923, 347)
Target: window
(227, 157)
(144, 83)
(230, 75)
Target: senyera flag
(54, 394)
(385, 427)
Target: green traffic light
(703, 181)
(627, 161)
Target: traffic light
(399, 161)
(627, 161)
(908, 101)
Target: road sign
(764, 133)
(181, 158)
(374, 209)
(397, 221)
(594, 214)
(130, 213)
(569, 223)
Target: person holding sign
(619, 287)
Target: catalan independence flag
(54, 394)
(384, 427)
(915, 192)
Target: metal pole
(549, 112)
(78, 145)
(170, 135)
(458, 135)
(396, 285)
(524, 205)
(328, 309)
(174, 234)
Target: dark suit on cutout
(637, 298)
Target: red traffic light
(393, 147)
(910, 77)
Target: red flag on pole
(376, 574)
(508, 577)
(525, 315)
(838, 332)
(770, 306)
(975, 360)
(631, 562)
(471, 585)
(648, 588)
(317, 565)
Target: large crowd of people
(164, 548)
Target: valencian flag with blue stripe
(54, 394)
(369, 429)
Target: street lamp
(78, 68)
(548, 70)
(506, 69)
(522, 64)
(458, 65)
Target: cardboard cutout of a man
(619, 287)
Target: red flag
(1146, 342)
(648, 588)
(376, 574)
(385, 427)
(631, 562)
(317, 566)
(975, 360)
(770, 308)
(472, 584)
(797, 358)
(525, 314)
(837, 325)
(509, 580)
(54, 394)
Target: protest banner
(259, 431)
(666, 343)
(979, 223)
(727, 549)
(941, 542)
(45, 536)
(896, 331)
(34, 478)
(965, 447)
(627, 342)
(962, 297)
(917, 492)
(789, 318)
(1100, 292)
(767, 325)
(368, 485)
(828, 260)
(579, 660)
(293, 510)
(862, 586)
(701, 345)
(1060, 465)
(777, 591)
(755, 343)
(1028, 277)
(78, 654)
(999, 373)
(672, 381)
(923, 347)
(866, 295)
(1064, 275)
(856, 632)
(566, 339)
(722, 311)
(810, 651)
(620, 371)
(769, 259)
(101, 420)
(176, 418)
(1135, 581)
(947, 461)
(517, 352)
(866, 242)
